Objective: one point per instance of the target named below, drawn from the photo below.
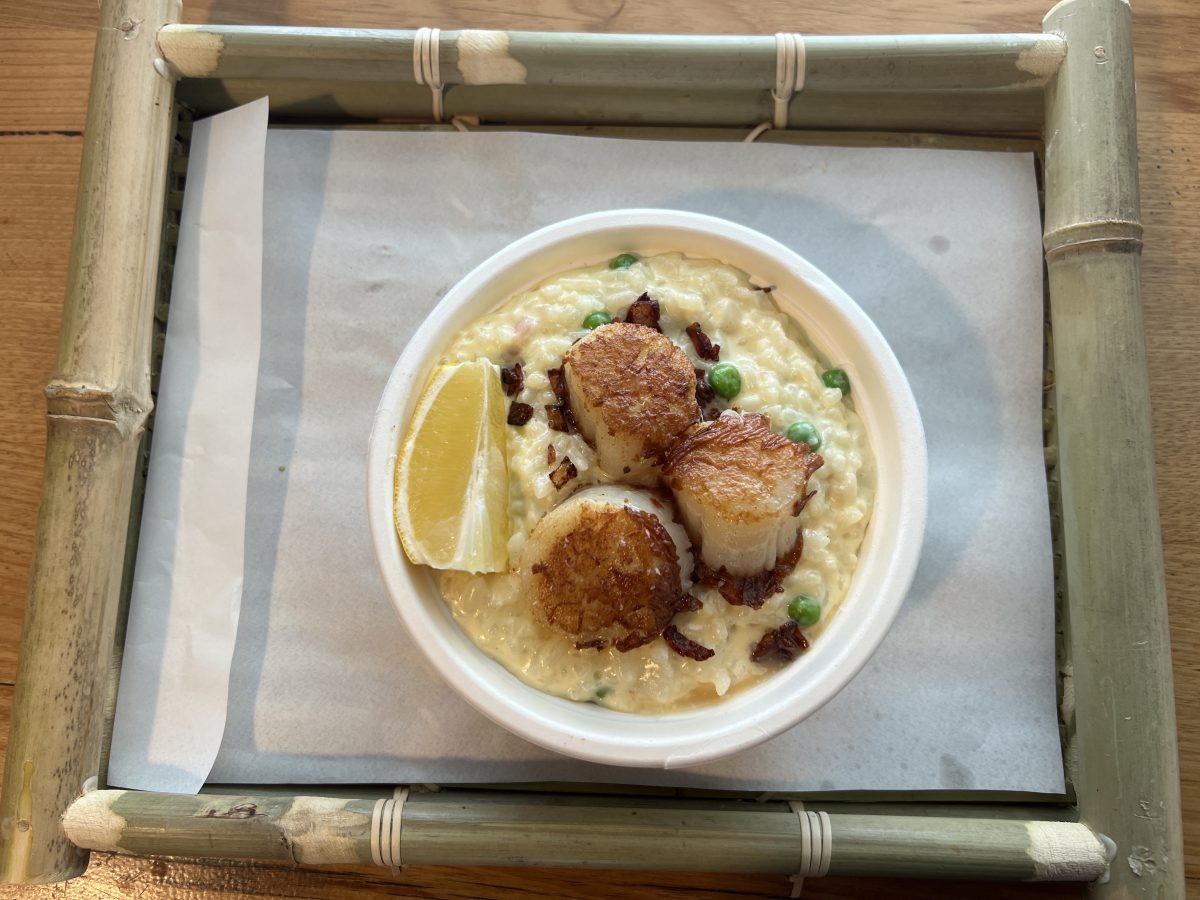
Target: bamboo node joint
(1099, 234)
(83, 400)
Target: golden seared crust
(613, 578)
(638, 382)
(738, 466)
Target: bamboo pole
(97, 403)
(1123, 752)
(468, 828)
(696, 62)
(914, 82)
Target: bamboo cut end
(193, 50)
(1067, 851)
(1058, 7)
(1043, 59)
(91, 824)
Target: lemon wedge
(451, 490)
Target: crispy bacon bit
(685, 646)
(705, 348)
(765, 288)
(798, 506)
(688, 603)
(753, 590)
(565, 472)
(513, 380)
(551, 454)
(519, 413)
(559, 417)
(644, 311)
(597, 644)
(558, 384)
(786, 643)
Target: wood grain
(45, 62)
(38, 176)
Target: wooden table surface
(45, 63)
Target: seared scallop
(740, 488)
(633, 394)
(609, 566)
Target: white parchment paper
(187, 585)
(364, 231)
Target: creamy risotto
(780, 377)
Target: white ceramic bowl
(841, 333)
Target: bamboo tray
(1070, 85)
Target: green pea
(837, 378)
(725, 379)
(624, 261)
(596, 319)
(804, 610)
(805, 432)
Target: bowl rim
(887, 562)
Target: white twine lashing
(816, 845)
(427, 65)
(754, 135)
(789, 73)
(387, 821)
